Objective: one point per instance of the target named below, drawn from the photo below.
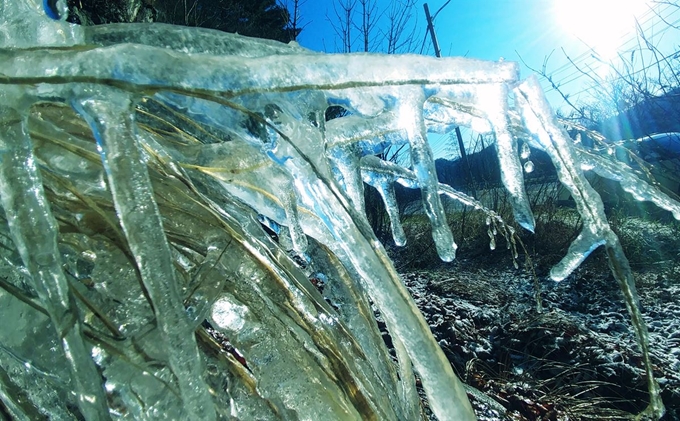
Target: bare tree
(296, 22)
(637, 76)
(390, 29)
(344, 13)
(369, 20)
(400, 32)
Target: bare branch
(543, 73)
(344, 18)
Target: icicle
(596, 231)
(34, 231)
(354, 308)
(109, 113)
(372, 175)
(345, 162)
(492, 239)
(495, 105)
(352, 238)
(349, 138)
(411, 119)
(538, 118)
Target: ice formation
(137, 163)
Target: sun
(603, 25)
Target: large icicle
(385, 186)
(35, 231)
(493, 99)
(348, 139)
(352, 238)
(109, 113)
(412, 120)
(556, 143)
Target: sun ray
(601, 24)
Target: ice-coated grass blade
(110, 115)
(596, 230)
(34, 232)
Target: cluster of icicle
(137, 164)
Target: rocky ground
(577, 359)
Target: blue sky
(530, 29)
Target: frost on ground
(577, 360)
(139, 166)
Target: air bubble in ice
(229, 315)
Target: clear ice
(139, 164)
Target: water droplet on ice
(97, 355)
(525, 152)
(528, 167)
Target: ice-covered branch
(34, 231)
(554, 140)
(631, 183)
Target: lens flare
(603, 25)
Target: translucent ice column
(34, 231)
(110, 114)
(494, 103)
(411, 116)
(596, 231)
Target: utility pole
(430, 28)
(459, 137)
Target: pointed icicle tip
(526, 220)
(557, 275)
(447, 253)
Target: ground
(577, 359)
